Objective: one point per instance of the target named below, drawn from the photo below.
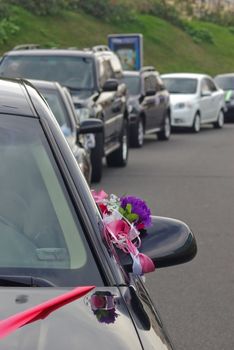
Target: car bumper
(182, 117)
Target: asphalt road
(191, 178)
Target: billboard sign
(129, 49)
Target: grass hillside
(165, 46)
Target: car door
(205, 101)
(150, 103)
(215, 99)
(145, 316)
(162, 100)
(105, 99)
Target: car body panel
(136, 323)
(207, 106)
(152, 109)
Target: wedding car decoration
(126, 220)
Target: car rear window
(41, 234)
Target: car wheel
(165, 133)
(120, 156)
(137, 134)
(196, 124)
(96, 159)
(220, 121)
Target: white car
(195, 100)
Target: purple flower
(140, 208)
(106, 316)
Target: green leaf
(128, 208)
(132, 217)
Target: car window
(73, 71)
(58, 108)
(205, 86)
(133, 84)
(211, 85)
(180, 85)
(149, 83)
(40, 233)
(225, 83)
(105, 70)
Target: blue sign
(129, 49)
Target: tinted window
(58, 108)
(73, 71)
(226, 83)
(133, 84)
(40, 232)
(180, 85)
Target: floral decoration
(125, 220)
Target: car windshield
(58, 108)
(225, 83)
(180, 85)
(41, 235)
(133, 84)
(72, 71)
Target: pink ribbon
(40, 311)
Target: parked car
(93, 78)
(226, 83)
(148, 105)
(60, 102)
(195, 100)
(51, 236)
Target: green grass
(166, 47)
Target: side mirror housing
(90, 126)
(168, 242)
(206, 94)
(110, 85)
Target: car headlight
(83, 113)
(182, 105)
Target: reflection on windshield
(225, 83)
(73, 71)
(180, 85)
(133, 84)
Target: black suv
(148, 105)
(93, 78)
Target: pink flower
(99, 196)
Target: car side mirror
(90, 126)
(167, 242)
(110, 85)
(206, 93)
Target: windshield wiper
(24, 281)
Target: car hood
(178, 98)
(82, 324)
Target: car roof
(50, 52)
(184, 75)
(14, 98)
(225, 75)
